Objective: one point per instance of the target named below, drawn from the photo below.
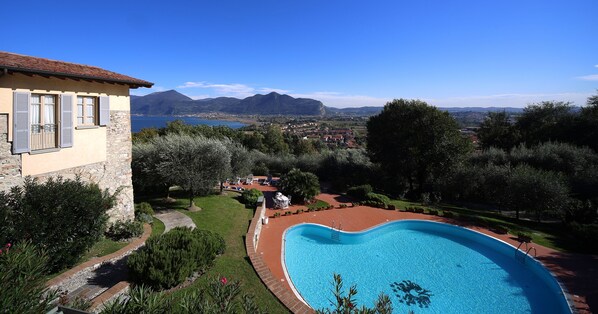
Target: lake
(140, 122)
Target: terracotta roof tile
(26, 64)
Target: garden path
(173, 218)
(111, 273)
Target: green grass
(318, 203)
(157, 227)
(545, 234)
(225, 215)
(103, 247)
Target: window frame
(85, 117)
(42, 124)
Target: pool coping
(288, 299)
(561, 286)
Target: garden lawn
(157, 227)
(545, 234)
(318, 204)
(225, 215)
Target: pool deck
(577, 272)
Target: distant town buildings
(332, 137)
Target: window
(43, 121)
(86, 111)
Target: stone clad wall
(113, 174)
(118, 164)
(10, 165)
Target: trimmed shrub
(23, 281)
(65, 218)
(302, 186)
(124, 230)
(378, 198)
(392, 207)
(145, 219)
(448, 214)
(168, 259)
(249, 197)
(500, 229)
(144, 208)
(418, 210)
(360, 192)
(524, 237)
(433, 212)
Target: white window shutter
(21, 128)
(66, 120)
(104, 111)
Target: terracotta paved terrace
(578, 272)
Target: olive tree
(194, 163)
(536, 190)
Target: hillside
(174, 103)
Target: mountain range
(174, 103)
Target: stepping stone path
(111, 273)
(173, 218)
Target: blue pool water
(466, 272)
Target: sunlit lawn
(545, 234)
(225, 215)
(318, 204)
(157, 227)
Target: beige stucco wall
(89, 145)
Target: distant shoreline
(141, 121)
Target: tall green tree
(274, 141)
(498, 130)
(587, 132)
(415, 141)
(194, 163)
(546, 121)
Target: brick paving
(577, 272)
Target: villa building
(65, 119)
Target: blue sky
(344, 53)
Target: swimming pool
(465, 271)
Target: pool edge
(563, 290)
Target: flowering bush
(22, 280)
(62, 217)
(221, 296)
